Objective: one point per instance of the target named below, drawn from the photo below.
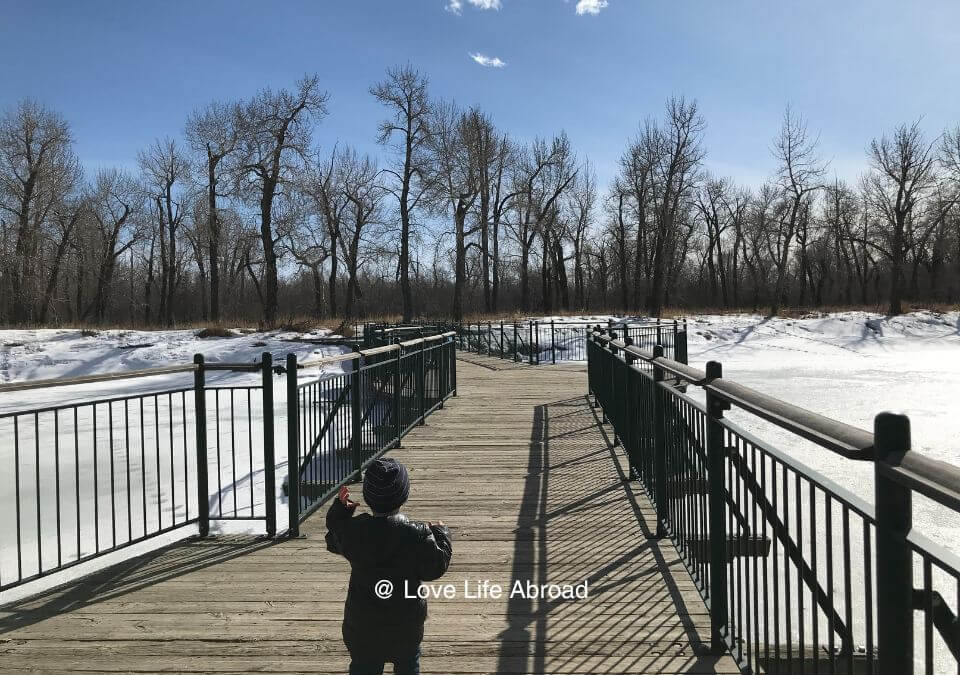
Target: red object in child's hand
(344, 497)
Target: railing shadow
(580, 520)
(128, 576)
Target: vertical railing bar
(927, 616)
(173, 481)
(56, 473)
(156, 435)
(126, 454)
(143, 466)
(250, 483)
(76, 474)
(801, 641)
(16, 479)
(233, 447)
(186, 471)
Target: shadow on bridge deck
(523, 473)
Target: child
(380, 623)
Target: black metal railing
(82, 480)
(540, 342)
(346, 420)
(799, 574)
(85, 479)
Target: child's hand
(439, 523)
(344, 497)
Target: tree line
(241, 216)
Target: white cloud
(587, 6)
(488, 61)
(456, 6)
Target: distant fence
(799, 574)
(82, 480)
(534, 341)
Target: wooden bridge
(527, 478)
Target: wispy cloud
(456, 6)
(488, 61)
(585, 6)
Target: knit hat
(386, 485)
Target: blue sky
(124, 73)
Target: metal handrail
(350, 356)
(841, 438)
(91, 379)
(898, 474)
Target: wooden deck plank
(520, 470)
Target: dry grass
(216, 331)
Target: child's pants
(408, 666)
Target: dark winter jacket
(394, 549)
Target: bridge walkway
(525, 476)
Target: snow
(150, 489)
(848, 366)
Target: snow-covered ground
(848, 366)
(146, 468)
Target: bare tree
(676, 155)
(275, 134)
(113, 198)
(364, 193)
(404, 92)
(456, 145)
(38, 169)
(213, 135)
(165, 171)
(901, 175)
(799, 173)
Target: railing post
(293, 449)
(717, 505)
(421, 385)
(515, 344)
(680, 344)
(501, 339)
(630, 405)
(453, 370)
(659, 446)
(442, 366)
(356, 415)
(894, 509)
(200, 422)
(530, 342)
(398, 394)
(269, 440)
(615, 401)
(553, 342)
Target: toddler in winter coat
(389, 556)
